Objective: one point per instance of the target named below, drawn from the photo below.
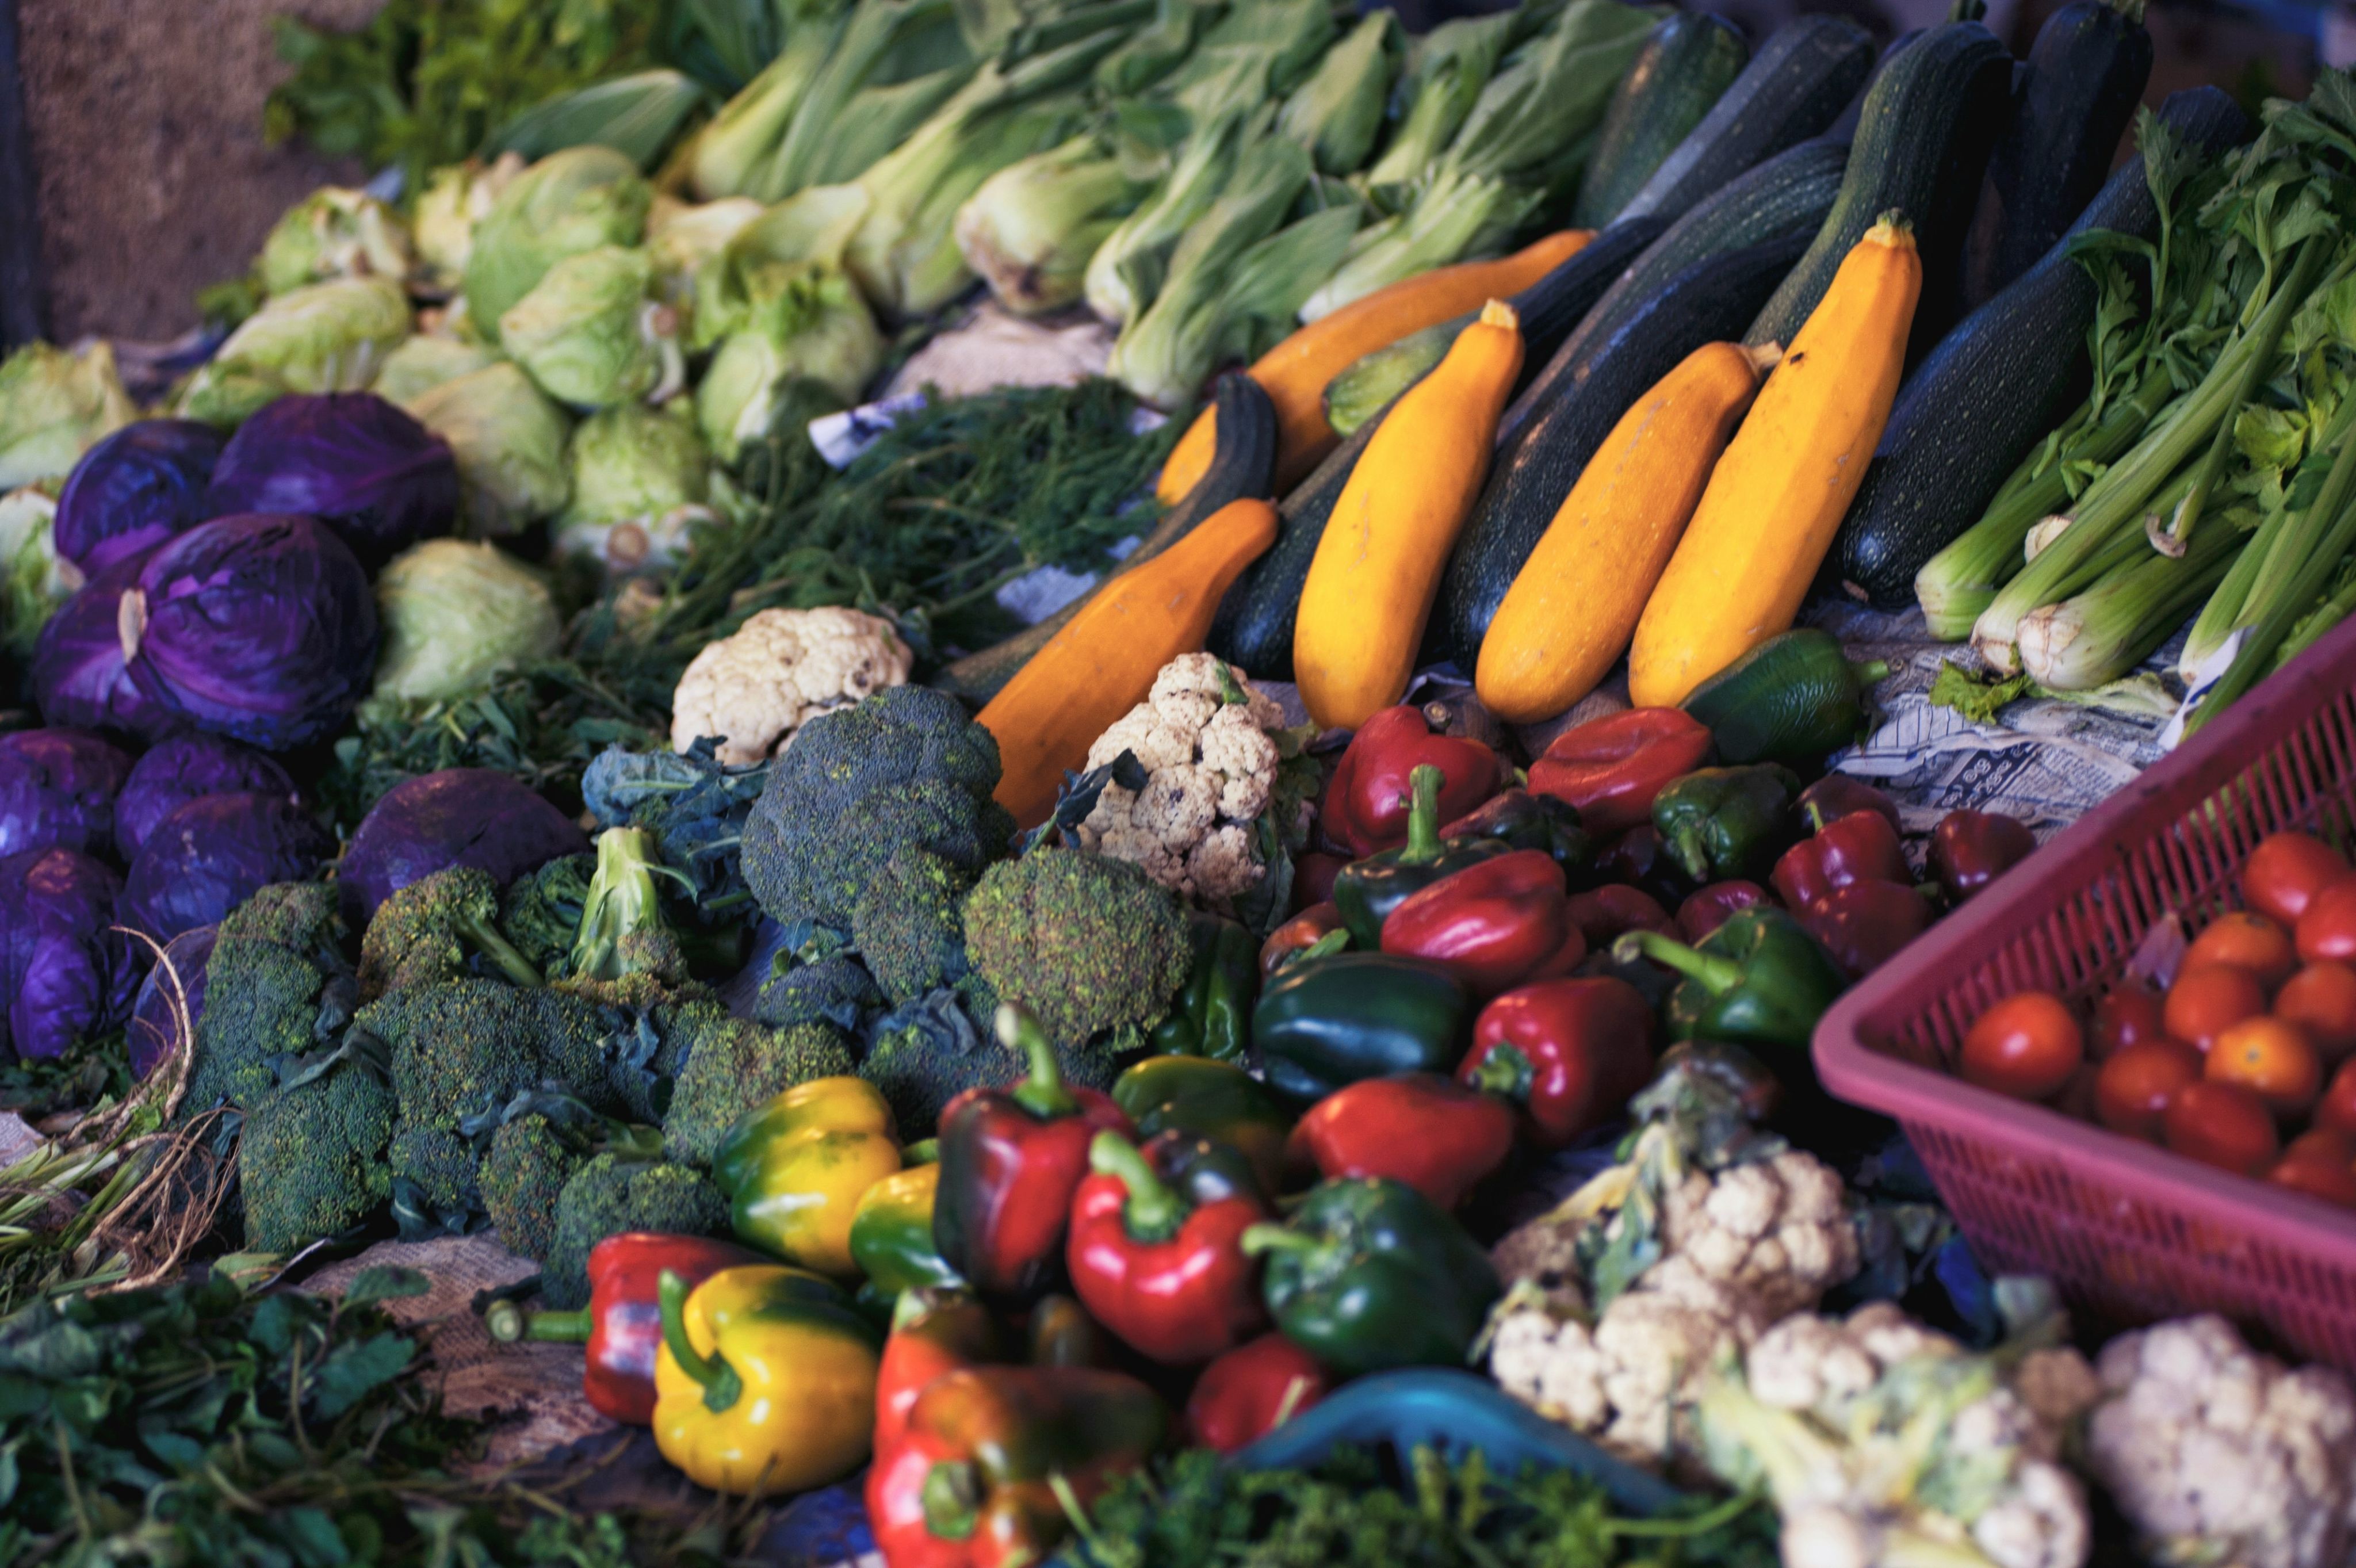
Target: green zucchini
(1791, 700)
(1243, 459)
(1683, 70)
(1254, 627)
(1795, 86)
(1549, 309)
(1922, 143)
(1706, 303)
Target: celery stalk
(2327, 615)
(2103, 631)
(1032, 227)
(1126, 272)
(1456, 215)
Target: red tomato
(2221, 1125)
(2026, 1045)
(2204, 1003)
(2132, 1091)
(2129, 1014)
(2325, 1179)
(2323, 1144)
(2328, 927)
(2245, 941)
(2271, 1055)
(2285, 871)
(2321, 999)
(2336, 1109)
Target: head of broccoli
(908, 924)
(610, 1195)
(541, 912)
(899, 736)
(837, 991)
(462, 1051)
(277, 985)
(1087, 944)
(924, 1055)
(524, 1170)
(312, 1159)
(434, 930)
(433, 1179)
(623, 931)
(732, 1066)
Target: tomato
(2132, 1091)
(2129, 1014)
(2286, 870)
(2245, 941)
(2336, 1109)
(2323, 1144)
(2328, 927)
(2271, 1055)
(2321, 999)
(2026, 1045)
(2326, 1179)
(2221, 1125)
(2204, 1003)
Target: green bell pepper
(1211, 1015)
(892, 1233)
(1332, 1021)
(1370, 1274)
(1214, 1099)
(1758, 980)
(1368, 890)
(1725, 823)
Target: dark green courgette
(1791, 700)
(2086, 74)
(1921, 146)
(1549, 309)
(1794, 88)
(1254, 626)
(1682, 70)
(1243, 459)
(1997, 384)
(1708, 303)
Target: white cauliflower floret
(2209, 1447)
(1211, 768)
(781, 670)
(1778, 1228)
(1551, 1365)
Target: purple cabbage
(209, 856)
(359, 464)
(459, 816)
(154, 1029)
(79, 678)
(184, 769)
(69, 975)
(258, 627)
(58, 789)
(135, 489)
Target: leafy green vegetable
(1977, 700)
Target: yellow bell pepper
(765, 1381)
(795, 1168)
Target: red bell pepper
(1165, 1274)
(1492, 925)
(1836, 795)
(1250, 1392)
(1431, 1132)
(1611, 767)
(1860, 847)
(1638, 858)
(1863, 924)
(1709, 907)
(934, 1330)
(622, 1325)
(1366, 799)
(1603, 913)
(1298, 935)
(1313, 872)
(1570, 1053)
(1971, 849)
(1011, 1160)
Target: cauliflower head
(779, 671)
(1778, 1230)
(1211, 763)
(2214, 1452)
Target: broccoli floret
(430, 932)
(898, 735)
(733, 1066)
(837, 991)
(909, 925)
(541, 912)
(277, 985)
(610, 1195)
(926, 1054)
(312, 1159)
(523, 1174)
(433, 1174)
(1086, 944)
(623, 931)
(461, 1052)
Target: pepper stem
(1506, 1070)
(951, 1499)
(1153, 1212)
(925, 1151)
(508, 1324)
(1267, 1237)
(1717, 975)
(1692, 854)
(1423, 785)
(1043, 1093)
(719, 1382)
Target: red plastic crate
(2129, 1231)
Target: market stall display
(1294, 964)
